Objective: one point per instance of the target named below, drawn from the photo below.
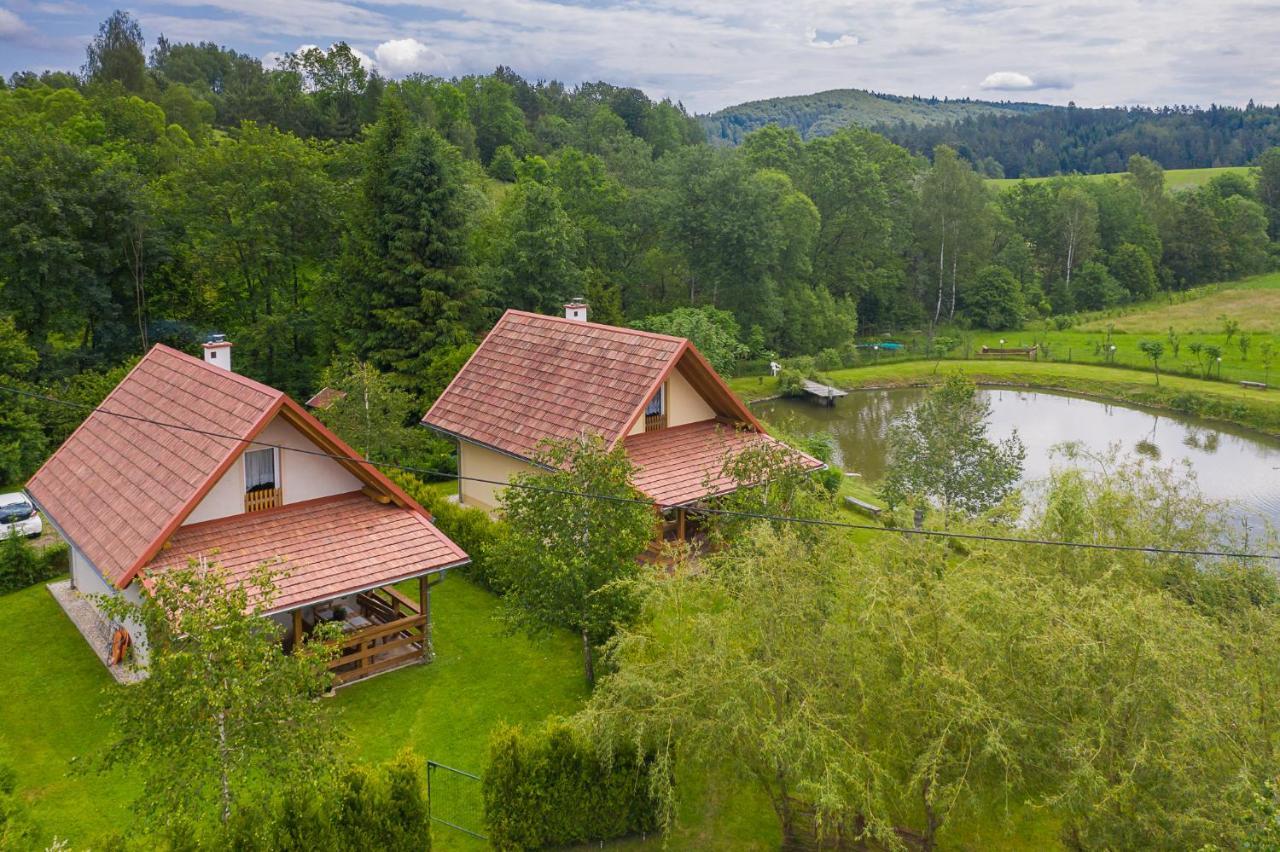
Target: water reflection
(1230, 463)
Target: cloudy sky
(713, 53)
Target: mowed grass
(1253, 302)
(52, 727)
(1174, 179)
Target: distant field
(1254, 303)
(1174, 179)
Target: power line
(763, 516)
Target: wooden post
(297, 628)
(424, 607)
(680, 524)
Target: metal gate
(454, 799)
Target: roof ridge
(218, 371)
(587, 323)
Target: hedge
(471, 529)
(366, 809)
(553, 787)
(22, 564)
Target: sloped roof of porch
(684, 464)
(330, 546)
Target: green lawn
(50, 724)
(1174, 179)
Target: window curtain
(655, 405)
(259, 470)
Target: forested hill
(1063, 140)
(824, 113)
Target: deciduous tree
(940, 451)
(575, 533)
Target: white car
(19, 516)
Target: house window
(655, 413)
(261, 479)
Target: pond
(1230, 463)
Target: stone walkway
(95, 629)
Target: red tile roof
(116, 483)
(684, 464)
(537, 377)
(126, 479)
(329, 547)
(326, 397)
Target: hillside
(824, 113)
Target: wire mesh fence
(454, 799)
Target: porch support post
(297, 628)
(680, 524)
(424, 606)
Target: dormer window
(655, 413)
(261, 479)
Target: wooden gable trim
(648, 394)
(703, 378)
(368, 473)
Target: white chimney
(576, 310)
(217, 351)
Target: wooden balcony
(655, 421)
(262, 498)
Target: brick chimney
(217, 351)
(576, 309)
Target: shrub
(471, 529)
(791, 383)
(828, 359)
(23, 565)
(554, 787)
(17, 831)
(366, 808)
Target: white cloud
(1014, 81)
(1008, 80)
(401, 56)
(828, 42)
(11, 24)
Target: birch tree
(953, 217)
(223, 708)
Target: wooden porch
(680, 526)
(383, 630)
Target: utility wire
(763, 516)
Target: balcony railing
(655, 421)
(261, 498)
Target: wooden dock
(826, 393)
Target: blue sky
(712, 53)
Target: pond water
(1230, 463)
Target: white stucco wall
(481, 462)
(303, 476)
(90, 584)
(684, 404)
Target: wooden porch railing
(398, 636)
(263, 498)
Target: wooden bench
(1029, 352)
(863, 507)
(1254, 385)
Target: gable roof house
(537, 377)
(187, 460)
